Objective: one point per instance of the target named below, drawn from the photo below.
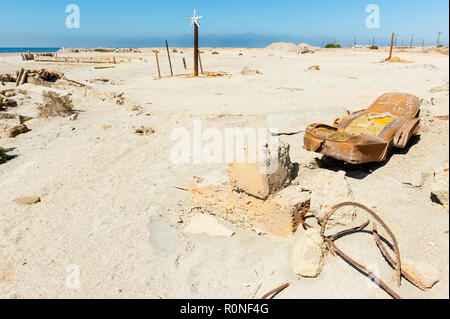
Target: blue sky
(31, 23)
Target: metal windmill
(194, 21)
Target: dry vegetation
(55, 105)
(3, 156)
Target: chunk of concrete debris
(440, 187)
(328, 189)
(28, 200)
(426, 274)
(309, 254)
(414, 178)
(263, 179)
(294, 122)
(204, 224)
(17, 130)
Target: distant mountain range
(217, 40)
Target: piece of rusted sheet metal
(367, 135)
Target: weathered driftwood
(31, 56)
(111, 60)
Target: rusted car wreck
(367, 135)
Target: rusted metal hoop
(378, 219)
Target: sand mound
(282, 46)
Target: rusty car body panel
(367, 135)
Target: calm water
(15, 50)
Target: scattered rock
(207, 224)
(23, 119)
(246, 70)
(414, 178)
(28, 200)
(73, 117)
(143, 131)
(309, 255)
(426, 274)
(135, 108)
(440, 187)
(17, 130)
(314, 67)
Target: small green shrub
(440, 46)
(332, 45)
(3, 156)
(373, 47)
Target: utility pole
(396, 38)
(412, 38)
(373, 41)
(439, 37)
(194, 21)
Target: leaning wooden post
(184, 63)
(200, 61)
(170, 62)
(392, 46)
(157, 63)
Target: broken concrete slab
(309, 254)
(263, 179)
(205, 224)
(278, 216)
(294, 122)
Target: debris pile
(55, 105)
(246, 71)
(256, 196)
(33, 76)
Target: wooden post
(423, 42)
(412, 38)
(168, 55)
(396, 38)
(157, 63)
(200, 61)
(373, 40)
(184, 63)
(392, 46)
(439, 37)
(195, 49)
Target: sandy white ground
(97, 179)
